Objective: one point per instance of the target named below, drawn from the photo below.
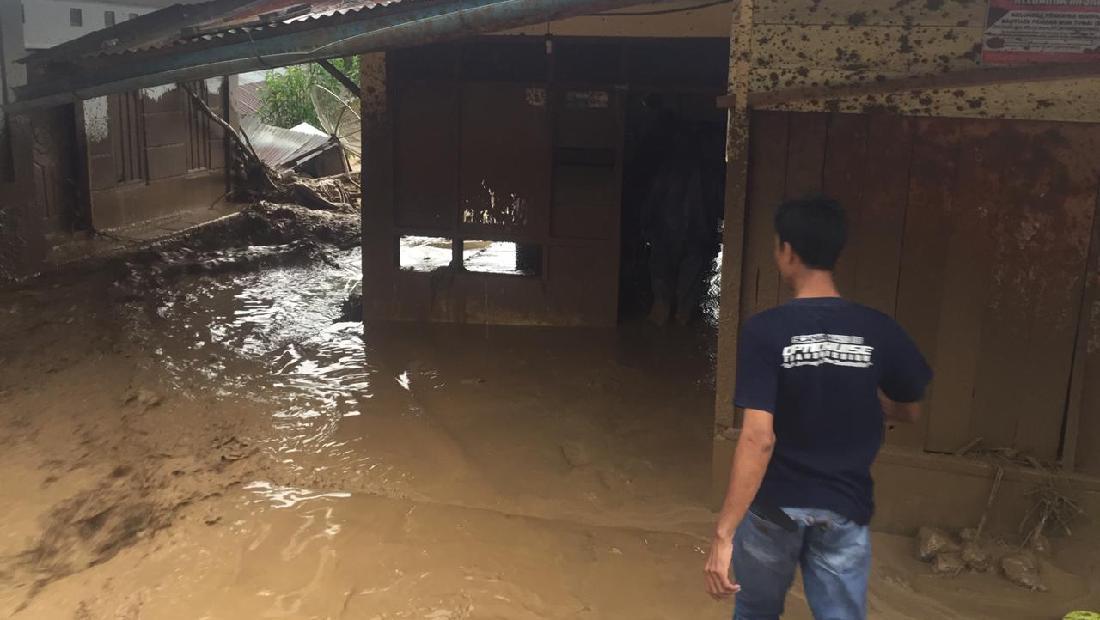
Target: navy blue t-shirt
(816, 365)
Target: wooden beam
(956, 79)
(733, 243)
(1078, 377)
(347, 82)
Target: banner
(1030, 31)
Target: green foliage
(285, 98)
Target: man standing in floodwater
(816, 376)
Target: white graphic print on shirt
(818, 349)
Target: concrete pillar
(733, 239)
(379, 246)
(22, 245)
(12, 73)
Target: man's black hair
(816, 228)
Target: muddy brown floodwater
(223, 447)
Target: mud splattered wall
(151, 153)
(828, 42)
(973, 234)
(799, 43)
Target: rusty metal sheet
(281, 148)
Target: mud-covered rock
(576, 454)
(1022, 569)
(1039, 544)
(932, 541)
(976, 557)
(143, 397)
(352, 308)
(948, 563)
(148, 398)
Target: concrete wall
(48, 22)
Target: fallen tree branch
(258, 176)
(312, 199)
(989, 502)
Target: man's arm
(750, 461)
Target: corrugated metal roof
(247, 98)
(181, 28)
(286, 148)
(193, 42)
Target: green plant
(285, 97)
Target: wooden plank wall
(152, 154)
(973, 234)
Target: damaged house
(131, 164)
(967, 153)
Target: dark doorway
(673, 182)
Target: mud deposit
(212, 442)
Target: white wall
(46, 22)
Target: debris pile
(255, 181)
(951, 555)
(1051, 508)
(342, 190)
(261, 236)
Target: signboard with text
(1030, 31)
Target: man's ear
(786, 252)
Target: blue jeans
(835, 554)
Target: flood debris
(576, 454)
(1022, 569)
(256, 181)
(1040, 544)
(143, 397)
(948, 563)
(1019, 563)
(261, 236)
(931, 542)
(1052, 509)
(948, 555)
(352, 308)
(976, 557)
(267, 223)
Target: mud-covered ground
(193, 433)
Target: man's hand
(898, 412)
(750, 461)
(717, 570)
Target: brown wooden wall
(495, 139)
(159, 155)
(975, 235)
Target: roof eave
(375, 30)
